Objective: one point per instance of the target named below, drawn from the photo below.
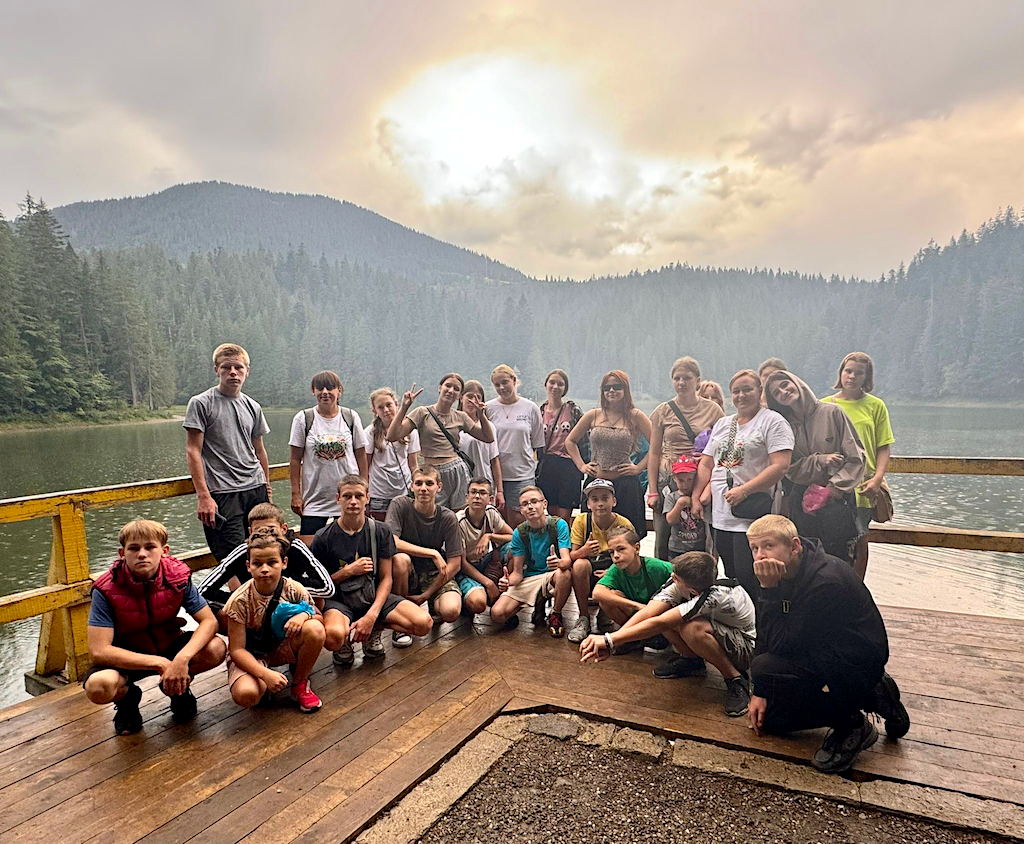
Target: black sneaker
(737, 697)
(127, 718)
(184, 706)
(681, 666)
(656, 645)
(840, 749)
(512, 622)
(540, 613)
(887, 704)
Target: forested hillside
(87, 330)
(204, 216)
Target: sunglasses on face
(612, 388)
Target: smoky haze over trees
(111, 322)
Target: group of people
(467, 506)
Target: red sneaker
(555, 626)
(306, 697)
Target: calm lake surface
(48, 461)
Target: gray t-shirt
(229, 426)
(441, 532)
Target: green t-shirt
(870, 418)
(643, 585)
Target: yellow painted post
(63, 639)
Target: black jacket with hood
(825, 620)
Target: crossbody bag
(447, 435)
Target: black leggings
(738, 560)
(797, 701)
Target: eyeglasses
(533, 502)
(612, 388)
(480, 492)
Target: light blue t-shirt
(540, 546)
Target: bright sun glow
(485, 127)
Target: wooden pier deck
(275, 775)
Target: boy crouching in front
(705, 620)
(271, 622)
(134, 628)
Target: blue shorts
(466, 584)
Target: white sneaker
(580, 630)
(344, 655)
(373, 647)
(400, 640)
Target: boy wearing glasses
(540, 566)
(482, 529)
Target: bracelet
(611, 645)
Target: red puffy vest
(145, 611)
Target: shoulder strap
(553, 532)
(683, 422)
(373, 544)
(524, 538)
(447, 434)
(308, 414)
(266, 630)
(346, 414)
(590, 526)
(725, 581)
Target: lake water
(48, 461)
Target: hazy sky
(570, 138)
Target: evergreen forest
(89, 323)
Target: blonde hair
(869, 377)
(745, 373)
(687, 363)
(778, 527)
(266, 510)
(229, 350)
(142, 529)
(379, 431)
(472, 386)
(712, 390)
(504, 369)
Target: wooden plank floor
(274, 775)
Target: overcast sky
(570, 138)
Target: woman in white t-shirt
(747, 453)
(484, 455)
(391, 463)
(327, 442)
(519, 432)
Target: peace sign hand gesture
(410, 396)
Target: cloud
(567, 139)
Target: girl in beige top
(435, 448)
(614, 428)
(670, 440)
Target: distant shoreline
(176, 413)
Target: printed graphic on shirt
(330, 446)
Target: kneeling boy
(259, 637)
(539, 553)
(632, 579)
(429, 549)
(590, 554)
(135, 630)
(482, 529)
(232, 572)
(704, 619)
(357, 552)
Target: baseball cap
(684, 464)
(599, 483)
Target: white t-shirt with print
(765, 434)
(329, 455)
(390, 475)
(519, 431)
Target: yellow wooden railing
(64, 601)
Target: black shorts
(311, 524)
(132, 675)
(353, 609)
(235, 507)
(560, 481)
